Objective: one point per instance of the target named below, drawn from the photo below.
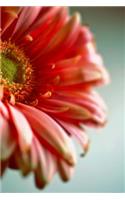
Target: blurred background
(102, 170)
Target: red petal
(45, 33)
(63, 39)
(81, 69)
(25, 20)
(8, 15)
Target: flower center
(10, 70)
(15, 72)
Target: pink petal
(51, 132)
(51, 164)
(3, 110)
(81, 69)
(79, 134)
(66, 171)
(41, 173)
(25, 20)
(65, 109)
(7, 142)
(24, 131)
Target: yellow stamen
(16, 74)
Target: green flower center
(16, 74)
(10, 70)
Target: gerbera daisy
(49, 67)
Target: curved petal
(76, 106)
(66, 171)
(46, 15)
(65, 109)
(7, 141)
(3, 167)
(51, 164)
(63, 39)
(77, 133)
(25, 161)
(51, 132)
(45, 33)
(41, 172)
(23, 129)
(3, 110)
(80, 69)
(8, 15)
(25, 20)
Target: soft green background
(102, 169)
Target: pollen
(16, 73)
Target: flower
(49, 69)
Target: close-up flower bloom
(49, 69)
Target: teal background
(102, 170)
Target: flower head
(49, 67)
